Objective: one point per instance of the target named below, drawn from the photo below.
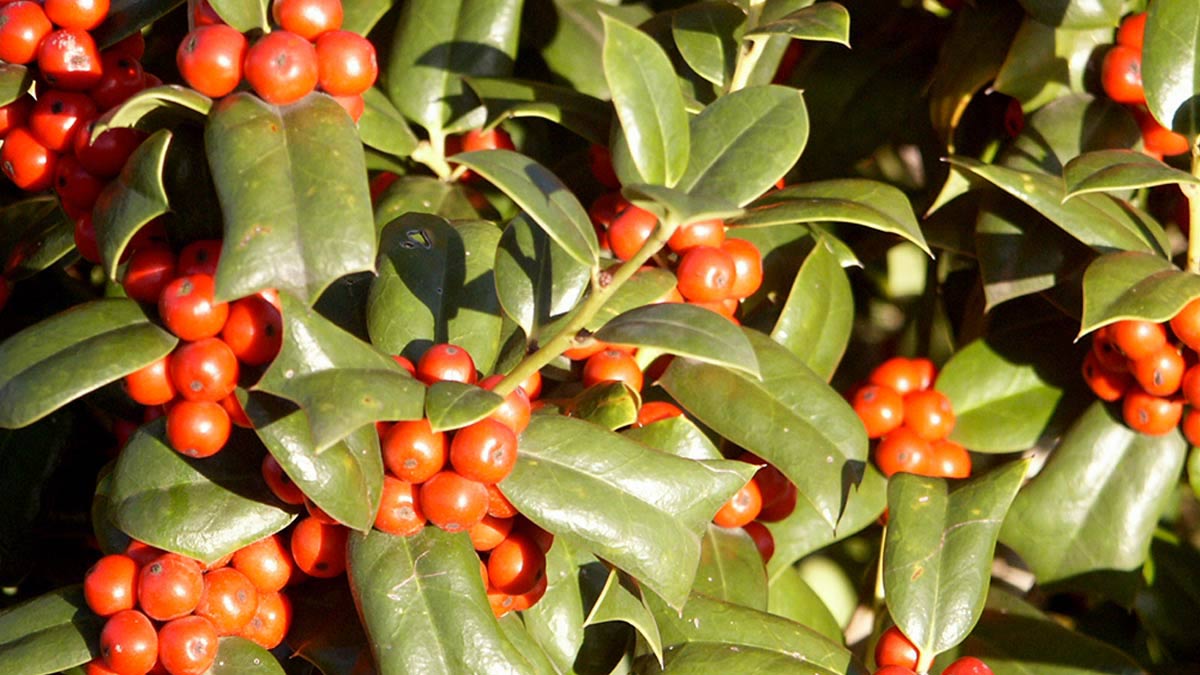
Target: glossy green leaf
(512, 627)
(1134, 286)
(34, 234)
(610, 478)
(731, 568)
(624, 602)
(49, 633)
(536, 279)
(423, 605)
(239, 656)
(436, 285)
(135, 198)
(679, 206)
(790, 418)
(702, 658)
(1098, 220)
(937, 556)
(815, 322)
(1067, 127)
(1034, 72)
(677, 436)
(340, 382)
(284, 174)
(541, 195)
(452, 405)
(790, 596)
(792, 647)
(611, 405)
(125, 17)
(1074, 14)
(15, 82)
(646, 286)
(383, 127)
(850, 200)
(574, 582)
(821, 22)
(1008, 388)
(244, 15)
(648, 101)
(744, 142)
(1119, 170)
(326, 630)
(507, 98)
(162, 107)
(345, 479)
(685, 330)
(424, 194)
(109, 538)
(174, 502)
(1171, 65)
(436, 44)
(705, 34)
(70, 354)
(1095, 504)
(573, 53)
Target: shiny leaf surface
(452, 405)
(1134, 286)
(731, 568)
(135, 198)
(1171, 65)
(816, 320)
(511, 98)
(821, 22)
(705, 35)
(686, 330)
(49, 633)
(1119, 171)
(536, 279)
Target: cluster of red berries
(911, 420)
(1138, 361)
(307, 51)
(194, 384)
(1121, 78)
(895, 654)
(712, 271)
(47, 133)
(166, 611)
(769, 497)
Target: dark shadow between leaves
(603, 643)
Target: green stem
(432, 153)
(604, 287)
(749, 55)
(1193, 197)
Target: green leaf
(536, 279)
(1171, 597)
(345, 479)
(680, 206)
(167, 500)
(611, 405)
(788, 647)
(805, 531)
(705, 34)
(110, 539)
(816, 320)
(512, 627)
(72, 353)
(623, 601)
(1008, 388)
(29, 458)
(436, 285)
(1098, 220)
(49, 633)
(822, 22)
(1073, 14)
(1068, 127)
(541, 195)
(675, 435)
(383, 127)
(132, 200)
(731, 568)
(423, 605)
(125, 17)
(34, 234)
(284, 174)
(1034, 72)
(850, 200)
(239, 656)
(508, 98)
(1095, 504)
(1171, 65)
(937, 556)
(1134, 286)
(453, 405)
(15, 82)
(609, 478)
(437, 42)
(157, 108)
(424, 194)
(574, 52)
(744, 142)
(790, 418)
(649, 103)
(244, 15)
(685, 330)
(1119, 171)
(339, 381)
(703, 658)
(790, 596)
(360, 16)
(646, 286)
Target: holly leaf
(1068, 14)
(705, 33)
(244, 15)
(805, 531)
(612, 405)
(15, 81)
(686, 330)
(36, 234)
(821, 22)
(731, 568)
(155, 109)
(453, 405)
(383, 127)
(1170, 70)
(171, 501)
(623, 601)
(536, 279)
(508, 98)
(1119, 171)
(49, 633)
(816, 320)
(54, 362)
(1134, 286)
(239, 656)
(1034, 72)
(790, 418)
(675, 435)
(791, 597)
(132, 200)
(1095, 504)
(283, 174)
(937, 556)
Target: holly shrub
(599, 337)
